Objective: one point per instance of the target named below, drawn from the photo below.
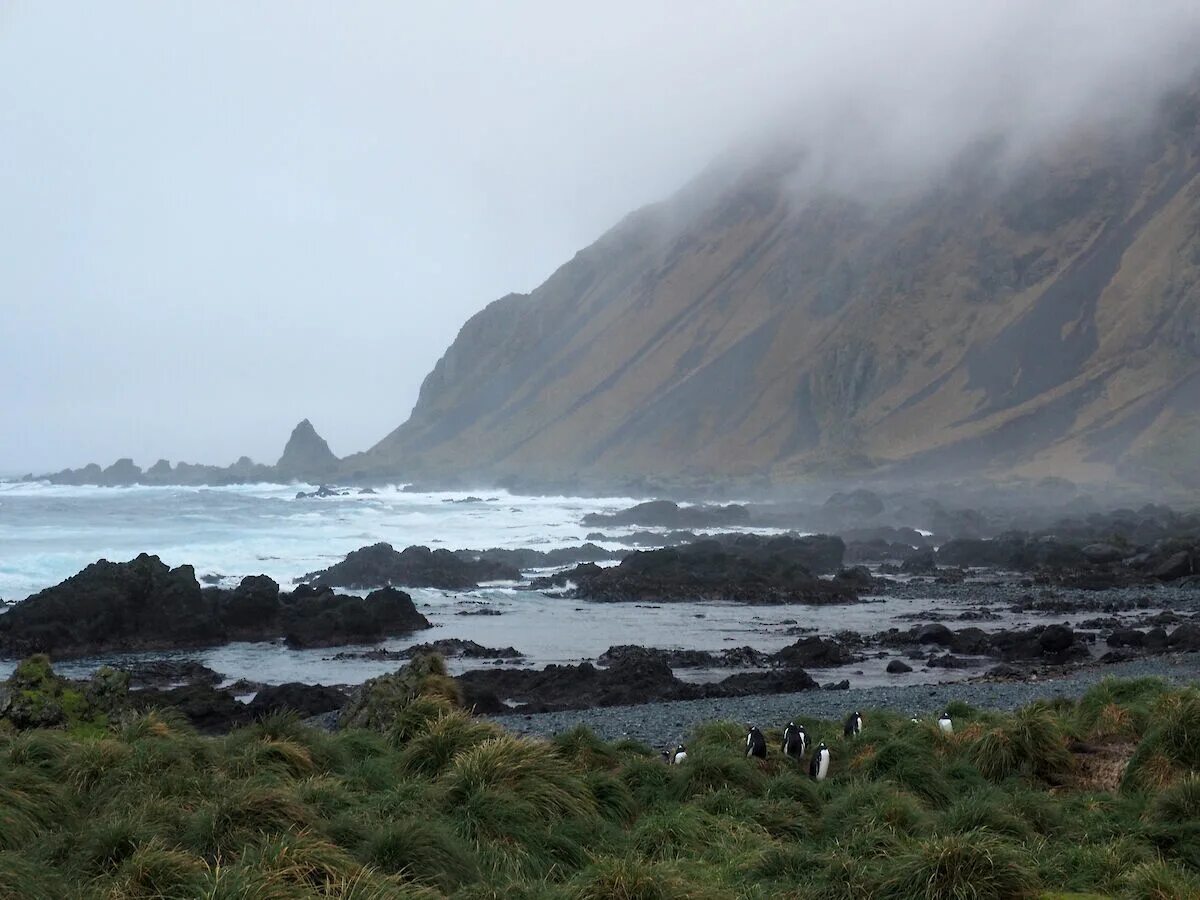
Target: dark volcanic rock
(816, 653)
(1126, 637)
(306, 455)
(313, 617)
(143, 605)
(168, 672)
(380, 565)
(1185, 637)
(634, 678)
(854, 505)
(446, 647)
(748, 570)
(524, 558)
(209, 710)
(898, 667)
(109, 607)
(729, 658)
(667, 514)
(305, 699)
(244, 609)
(920, 562)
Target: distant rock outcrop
(306, 455)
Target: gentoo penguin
(946, 724)
(853, 726)
(756, 744)
(819, 767)
(795, 741)
(678, 756)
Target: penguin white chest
(946, 725)
(823, 765)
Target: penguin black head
(821, 746)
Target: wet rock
(169, 672)
(854, 505)
(816, 653)
(1179, 564)
(446, 647)
(380, 565)
(949, 661)
(635, 676)
(1005, 670)
(209, 710)
(898, 667)
(244, 609)
(843, 685)
(304, 699)
(729, 658)
(1185, 637)
(110, 607)
(921, 562)
(667, 514)
(320, 618)
(524, 558)
(747, 570)
(1103, 553)
(935, 633)
(1056, 638)
(1126, 637)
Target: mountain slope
(1038, 321)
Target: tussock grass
(435, 803)
(976, 865)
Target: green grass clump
(976, 865)
(430, 802)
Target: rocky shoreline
(659, 724)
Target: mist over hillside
(1030, 314)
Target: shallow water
(48, 533)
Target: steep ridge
(1038, 321)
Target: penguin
(795, 741)
(678, 756)
(756, 744)
(945, 723)
(853, 726)
(819, 767)
(666, 757)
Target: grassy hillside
(1038, 319)
(438, 804)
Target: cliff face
(1039, 321)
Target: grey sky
(219, 218)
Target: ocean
(50, 532)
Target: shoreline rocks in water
(632, 678)
(144, 605)
(446, 647)
(750, 569)
(380, 565)
(668, 514)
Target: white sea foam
(49, 532)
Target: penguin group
(796, 743)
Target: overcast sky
(219, 218)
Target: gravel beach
(659, 724)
